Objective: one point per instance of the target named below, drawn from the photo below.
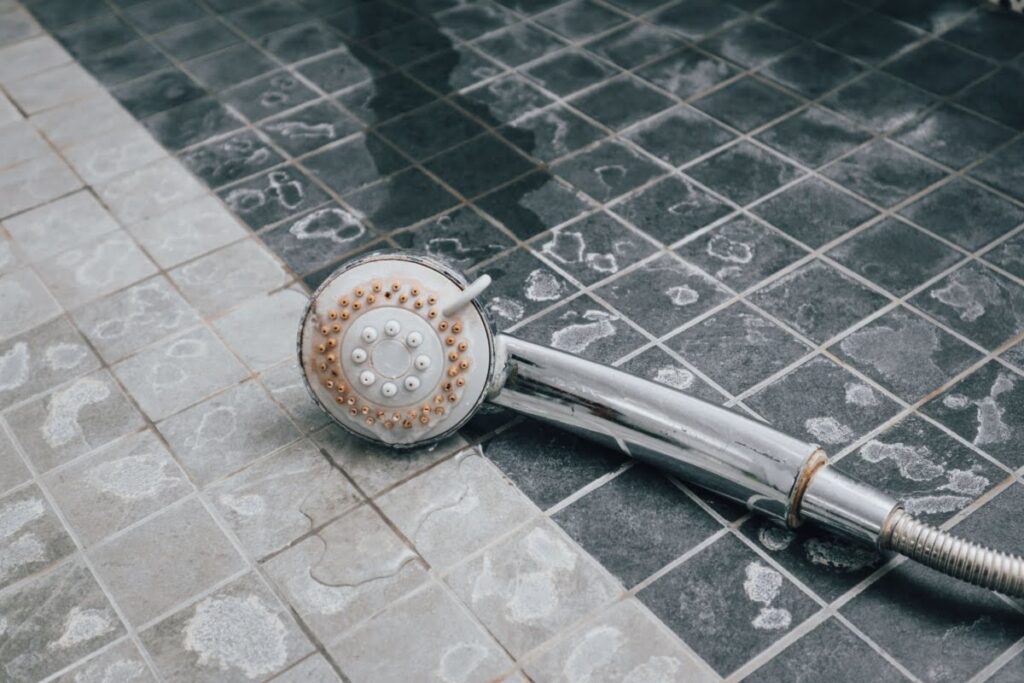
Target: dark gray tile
(568, 71)
(342, 69)
(952, 136)
(621, 102)
(301, 41)
(521, 286)
(156, 93)
(455, 69)
(672, 209)
(309, 128)
(1011, 672)
(695, 19)
(225, 161)
(872, 37)
(814, 212)
(262, 18)
(992, 33)
(469, 21)
(518, 44)
(461, 238)
(584, 328)
(884, 173)
(978, 303)
(430, 130)
(879, 102)
(580, 18)
(124, 63)
(658, 366)
(928, 15)
(268, 95)
(810, 17)
(1005, 170)
(900, 613)
(906, 354)
(318, 238)
(741, 253)
(814, 137)
(811, 70)
(273, 197)
(371, 19)
(229, 66)
(635, 44)
(939, 67)
(894, 255)
(34, 537)
(679, 135)
(192, 123)
(636, 524)
(727, 603)
(547, 463)
(663, 294)
(747, 104)
(737, 348)
(965, 213)
(402, 199)
(987, 409)
(386, 97)
(594, 248)
(96, 36)
(822, 403)
(408, 42)
(995, 524)
(608, 170)
(160, 15)
(744, 172)
(752, 42)
(479, 165)
(356, 162)
(829, 652)
(687, 73)
(504, 100)
(996, 97)
(533, 204)
(551, 133)
(1009, 255)
(57, 14)
(197, 39)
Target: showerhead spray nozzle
(396, 348)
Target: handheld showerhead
(396, 349)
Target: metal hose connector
(944, 552)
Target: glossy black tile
(814, 212)
(746, 104)
(744, 172)
(608, 170)
(884, 173)
(671, 209)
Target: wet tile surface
(556, 146)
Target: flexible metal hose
(942, 551)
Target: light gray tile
(52, 88)
(439, 642)
(228, 431)
(35, 182)
(150, 191)
(73, 419)
(113, 153)
(19, 142)
(172, 375)
(625, 643)
(456, 507)
(313, 669)
(30, 57)
(53, 621)
(90, 271)
(238, 633)
(121, 663)
(69, 222)
(227, 277)
(81, 120)
(532, 585)
(133, 318)
(16, 25)
(167, 559)
(275, 500)
(12, 468)
(262, 331)
(9, 259)
(196, 228)
(106, 491)
(286, 386)
(348, 571)
(374, 467)
(26, 303)
(7, 110)
(31, 536)
(35, 361)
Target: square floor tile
(747, 104)
(814, 137)
(883, 173)
(662, 294)
(531, 205)
(987, 409)
(635, 43)
(737, 348)
(479, 165)
(744, 172)
(580, 18)
(158, 92)
(35, 182)
(113, 153)
(472, 21)
(34, 537)
(35, 361)
(341, 69)
(879, 102)
(872, 37)
(455, 69)
(268, 95)
(679, 135)
(584, 328)
(671, 209)
(229, 66)
(551, 133)
(461, 237)
(688, 72)
(310, 127)
(114, 487)
(258, 331)
(965, 213)
(814, 212)
(224, 433)
(96, 35)
(608, 170)
(197, 38)
(21, 142)
(262, 18)
(636, 524)
(1004, 170)
(741, 252)
(1009, 255)
(822, 403)
(694, 19)
(934, 17)
(809, 18)
(503, 100)
(130, 61)
(994, 523)
(521, 285)
(160, 15)
(300, 42)
(243, 612)
(430, 130)
(386, 97)
(197, 227)
(594, 248)
(192, 123)
(994, 97)
(568, 71)
(994, 34)
(976, 302)
(123, 658)
(229, 159)
(752, 42)
(149, 191)
(224, 278)
(952, 136)
(286, 386)
(939, 67)
(13, 471)
(658, 366)
(621, 102)
(403, 43)
(88, 272)
(402, 199)
(518, 44)
(275, 196)
(811, 70)
(701, 601)
(906, 354)
(894, 255)
(319, 238)
(27, 303)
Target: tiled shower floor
(811, 211)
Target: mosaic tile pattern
(808, 211)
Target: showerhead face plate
(394, 351)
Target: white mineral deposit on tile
(561, 132)
(956, 401)
(131, 477)
(232, 632)
(838, 556)
(682, 295)
(542, 285)
(115, 672)
(24, 550)
(334, 224)
(763, 585)
(965, 482)
(61, 424)
(565, 246)
(300, 130)
(218, 424)
(775, 537)
(609, 171)
(458, 662)
(246, 505)
(577, 337)
(508, 309)
(3, 626)
(904, 351)
(727, 249)
(828, 430)
(148, 305)
(596, 650)
(860, 395)
(16, 515)
(675, 377)
(82, 625)
(935, 504)
(64, 356)
(14, 367)
(967, 300)
(991, 427)
(914, 462)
